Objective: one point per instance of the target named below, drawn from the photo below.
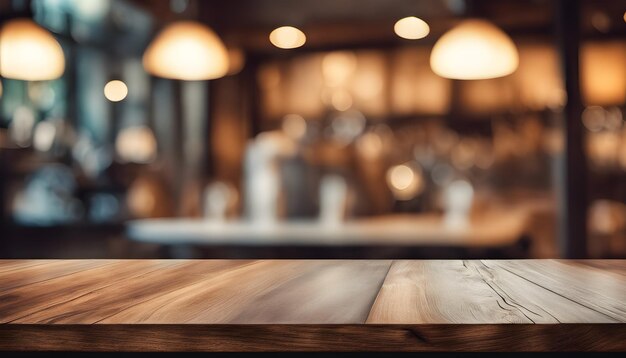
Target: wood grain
(344, 338)
(472, 292)
(200, 291)
(599, 290)
(312, 305)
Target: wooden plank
(211, 338)
(269, 292)
(470, 292)
(25, 300)
(601, 291)
(153, 280)
(613, 266)
(33, 271)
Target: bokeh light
(405, 181)
(115, 90)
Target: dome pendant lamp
(186, 50)
(474, 50)
(28, 52)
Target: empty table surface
(223, 305)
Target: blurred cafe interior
(312, 129)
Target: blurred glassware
(443, 174)
(44, 136)
(29, 52)
(346, 126)
(92, 158)
(333, 200)
(219, 200)
(187, 50)
(473, 50)
(103, 207)
(42, 95)
(47, 197)
(261, 178)
(91, 9)
(21, 126)
(458, 198)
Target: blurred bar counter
(496, 233)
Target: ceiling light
(287, 37)
(29, 52)
(411, 28)
(474, 50)
(186, 50)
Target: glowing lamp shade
(474, 50)
(287, 37)
(29, 52)
(186, 50)
(411, 28)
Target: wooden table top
(225, 305)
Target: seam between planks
(380, 288)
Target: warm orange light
(411, 28)
(115, 90)
(473, 50)
(186, 50)
(287, 37)
(603, 73)
(405, 181)
(136, 144)
(236, 61)
(29, 52)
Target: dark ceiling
(348, 23)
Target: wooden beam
(572, 188)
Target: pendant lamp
(186, 50)
(29, 52)
(474, 50)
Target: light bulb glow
(411, 28)
(287, 37)
(405, 181)
(473, 50)
(187, 50)
(29, 52)
(115, 90)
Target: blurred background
(312, 129)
